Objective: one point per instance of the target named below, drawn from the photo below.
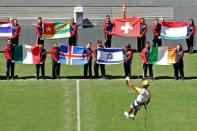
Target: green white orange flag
(56, 30)
(26, 54)
(162, 55)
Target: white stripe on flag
(27, 55)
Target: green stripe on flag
(18, 54)
(62, 31)
(153, 55)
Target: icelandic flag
(173, 30)
(72, 55)
(109, 56)
(5, 29)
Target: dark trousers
(150, 67)
(96, 69)
(9, 66)
(127, 68)
(141, 43)
(178, 67)
(38, 66)
(88, 69)
(55, 70)
(190, 44)
(108, 41)
(15, 40)
(39, 41)
(72, 41)
(156, 42)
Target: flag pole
(124, 8)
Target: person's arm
(17, 32)
(74, 32)
(7, 54)
(154, 31)
(132, 86)
(193, 31)
(143, 56)
(37, 31)
(53, 56)
(145, 30)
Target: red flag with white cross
(129, 27)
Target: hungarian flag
(162, 55)
(173, 30)
(56, 30)
(129, 27)
(25, 54)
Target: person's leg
(139, 48)
(74, 41)
(159, 42)
(143, 43)
(129, 69)
(125, 69)
(90, 70)
(85, 70)
(102, 66)
(43, 70)
(96, 69)
(70, 41)
(58, 70)
(175, 71)
(53, 70)
(12, 70)
(144, 70)
(154, 41)
(191, 44)
(8, 63)
(188, 44)
(181, 69)
(150, 66)
(37, 71)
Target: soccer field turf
(51, 105)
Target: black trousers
(127, 68)
(55, 70)
(38, 66)
(72, 41)
(9, 66)
(150, 67)
(15, 40)
(178, 67)
(39, 41)
(190, 44)
(96, 69)
(88, 69)
(141, 43)
(156, 41)
(108, 41)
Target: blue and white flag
(5, 30)
(109, 56)
(72, 55)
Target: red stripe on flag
(36, 54)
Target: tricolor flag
(72, 55)
(129, 27)
(162, 55)
(56, 30)
(173, 30)
(25, 54)
(109, 56)
(5, 29)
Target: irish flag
(25, 54)
(162, 55)
(56, 30)
(173, 30)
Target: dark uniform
(107, 29)
(15, 33)
(145, 55)
(9, 54)
(73, 38)
(156, 29)
(39, 31)
(96, 66)
(127, 62)
(88, 65)
(178, 66)
(142, 39)
(55, 52)
(43, 55)
(190, 40)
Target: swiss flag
(129, 27)
(49, 29)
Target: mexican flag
(25, 54)
(56, 30)
(162, 55)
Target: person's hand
(13, 61)
(159, 37)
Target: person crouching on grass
(142, 99)
(178, 66)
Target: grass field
(51, 105)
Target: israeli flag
(109, 55)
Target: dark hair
(99, 42)
(181, 47)
(192, 24)
(147, 42)
(128, 46)
(107, 16)
(39, 18)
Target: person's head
(40, 19)
(107, 19)
(128, 46)
(15, 22)
(145, 84)
(156, 22)
(179, 47)
(55, 44)
(8, 42)
(41, 45)
(72, 20)
(147, 44)
(191, 22)
(142, 20)
(89, 45)
(99, 43)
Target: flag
(109, 56)
(162, 55)
(56, 30)
(173, 30)
(129, 27)
(5, 29)
(26, 54)
(72, 55)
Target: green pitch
(51, 105)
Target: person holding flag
(127, 60)
(15, 32)
(156, 29)
(88, 65)
(143, 98)
(107, 29)
(39, 31)
(72, 41)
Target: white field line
(78, 105)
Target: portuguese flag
(162, 55)
(56, 30)
(25, 54)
